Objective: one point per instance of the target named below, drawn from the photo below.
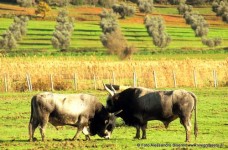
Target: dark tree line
(112, 38)
(14, 33)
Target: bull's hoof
(137, 137)
(143, 137)
(32, 140)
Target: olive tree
(63, 31)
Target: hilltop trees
(63, 31)
(14, 33)
(112, 38)
(156, 29)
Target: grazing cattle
(136, 106)
(79, 110)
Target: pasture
(212, 121)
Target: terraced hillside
(86, 35)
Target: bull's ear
(106, 121)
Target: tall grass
(64, 68)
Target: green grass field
(212, 122)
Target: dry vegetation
(64, 68)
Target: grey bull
(136, 106)
(79, 110)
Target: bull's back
(74, 104)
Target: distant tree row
(14, 33)
(112, 38)
(156, 29)
(61, 3)
(198, 24)
(176, 2)
(220, 7)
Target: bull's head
(112, 103)
(103, 123)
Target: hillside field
(86, 35)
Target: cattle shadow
(14, 140)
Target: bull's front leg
(143, 127)
(79, 131)
(137, 135)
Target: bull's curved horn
(107, 89)
(116, 113)
(112, 88)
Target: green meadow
(212, 121)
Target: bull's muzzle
(107, 134)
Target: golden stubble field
(68, 73)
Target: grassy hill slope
(86, 35)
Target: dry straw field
(70, 73)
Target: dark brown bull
(79, 110)
(136, 106)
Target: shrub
(25, 3)
(106, 3)
(42, 8)
(182, 8)
(145, 6)
(212, 42)
(123, 10)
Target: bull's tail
(195, 111)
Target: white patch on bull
(108, 134)
(70, 104)
(86, 131)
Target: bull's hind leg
(32, 127)
(186, 122)
(43, 126)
